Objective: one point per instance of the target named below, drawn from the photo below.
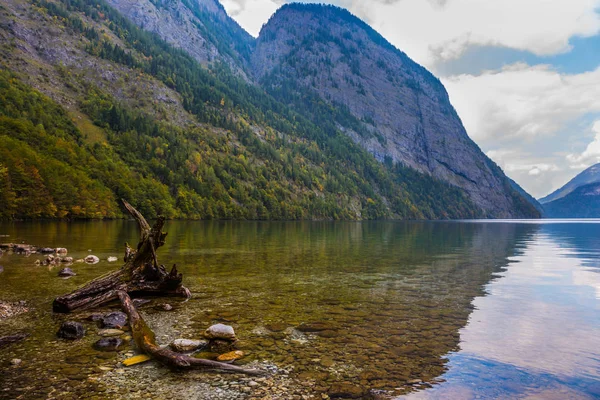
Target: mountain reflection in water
(536, 334)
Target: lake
(416, 310)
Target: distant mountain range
(579, 198)
(173, 106)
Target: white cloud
(251, 14)
(433, 31)
(591, 155)
(522, 101)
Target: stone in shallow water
(345, 390)
(71, 330)
(231, 356)
(185, 345)
(220, 331)
(109, 344)
(65, 272)
(220, 346)
(114, 320)
(110, 332)
(91, 259)
(112, 259)
(276, 327)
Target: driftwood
(145, 340)
(141, 274)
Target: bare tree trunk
(141, 273)
(146, 341)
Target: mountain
(200, 27)
(590, 175)
(538, 206)
(583, 202)
(324, 57)
(107, 100)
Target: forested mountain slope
(323, 57)
(93, 108)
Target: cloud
(591, 154)
(522, 102)
(251, 14)
(435, 31)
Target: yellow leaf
(136, 360)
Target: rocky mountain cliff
(200, 27)
(401, 112)
(159, 102)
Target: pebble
(16, 361)
(71, 330)
(66, 272)
(186, 345)
(220, 331)
(91, 259)
(231, 356)
(114, 320)
(112, 259)
(110, 332)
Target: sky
(524, 75)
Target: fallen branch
(140, 274)
(146, 341)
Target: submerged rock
(16, 361)
(220, 346)
(66, 260)
(231, 356)
(186, 345)
(71, 330)
(109, 344)
(316, 327)
(345, 390)
(112, 259)
(46, 250)
(95, 317)
(115, 320)
(92, 259)
(220, 331)
(110, 332)
(66, 272)
(61, 250)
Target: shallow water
(424, 309)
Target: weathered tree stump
(140, 275)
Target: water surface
(418, 309)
